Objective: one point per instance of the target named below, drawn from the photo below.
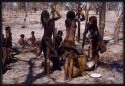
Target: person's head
(8, 29)
(70, 15)
(93, 20)
(22, 35)
(60, 33)
(32, 33)
(44, 16)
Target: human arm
(58, 14)
(80, 13)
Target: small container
(90, 64)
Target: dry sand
(28, 68)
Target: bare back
(70, 31)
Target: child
(22, 41)
(56, 61)
(58, 40)
(46, 42)
(32, 39)
(8, 41)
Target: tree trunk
(117, 29)
(102, 13)
(87, 9)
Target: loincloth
(69, 45)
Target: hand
(53, 9)
(79, 11)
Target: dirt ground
(27, 68)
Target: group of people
(30, 42)
(68, 44)
(58, 48)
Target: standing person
(8, 41)
(94, 37)
(58, 40)
(46, 42)
(71, 26)
(8, 44)
(57, 60)
(68, 45)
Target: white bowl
(90, 64)
(95, 75)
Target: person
(46, 42)
(57, 61)
(70, 23)
(34, 43)
(22, 41)
(8, 41)
(68, 45)
(58, 40)
(93, 36)
(32, 39)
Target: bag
(77, 71)
(101, 45)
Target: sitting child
(22, 41)
(32, 39)
(34, 43)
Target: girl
(46, 42)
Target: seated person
(22, 41)
(32, 39)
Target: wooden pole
(87, 13)
(79, 8)
(25, 10)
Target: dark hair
(60, 32)
(32, 32)
(69, 17)
(7, 28)
(93, 20)
(22, 35)
(44, 14)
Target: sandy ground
(28, 68)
